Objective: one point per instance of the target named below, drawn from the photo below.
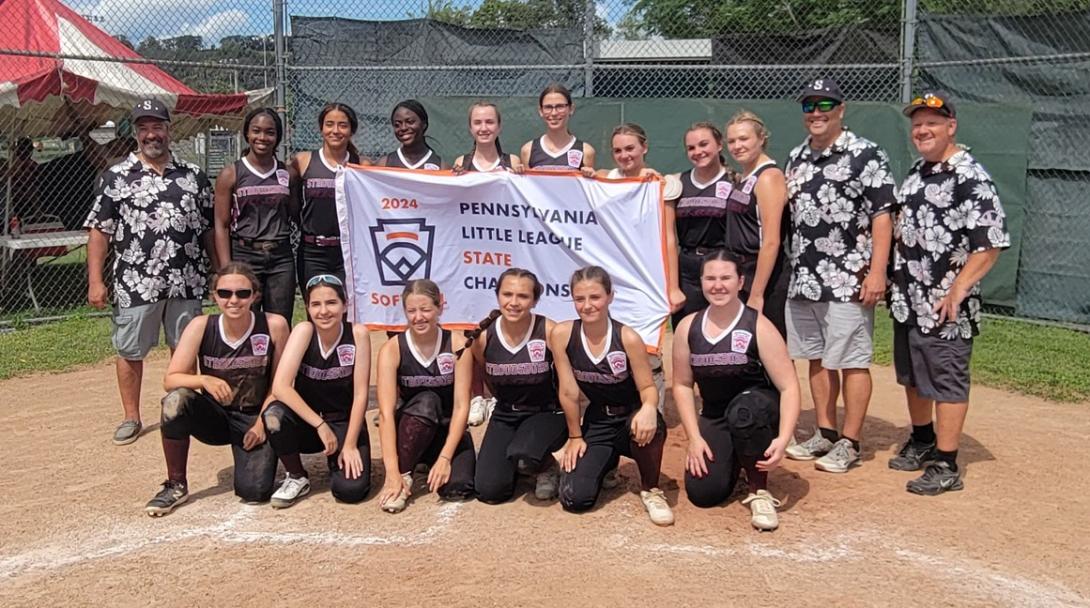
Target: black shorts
(936, 367)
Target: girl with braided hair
(527, 424)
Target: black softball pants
(187, 413)
(608, 438)
(513, 437)
(737, 435)
(290, 435)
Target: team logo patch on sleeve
(346, 354)
(618, 361)
(575, 158)
(536, 348)
(723, 189)
(446, 363)
(282, 177)
(260, 344)
(751, 183)
(739, 340)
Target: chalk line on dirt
(972, 577)
(124, 540)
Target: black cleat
(937, 478)
(913, 456)
(172, 494)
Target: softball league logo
(402, 250)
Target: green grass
(1048, 362)
(55, 347)
(72, 342)
(1039, 360)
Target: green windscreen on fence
(997, 134)
(968, 56)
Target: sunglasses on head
(929, 100)
(324, 278)
(825, 105)
(241, 293)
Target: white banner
(463, 231)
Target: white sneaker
(291, 490)
(611, 480)
(657, 507)
(478, 409)
(491, 403)
(547, 483)
(762, 507)
(839, 459)
(814, 447)
(398, 504)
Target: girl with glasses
(219, 382)
(420, 419)
(321, 390)
(557, 149)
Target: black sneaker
(172, 494)
(937, 478)
(913, 456)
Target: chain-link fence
(71, 72)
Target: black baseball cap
(938, 101)
(826, 88)
(150, 108)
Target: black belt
(617, 410)
(523, 408)
(701, 251)
(261, 244)
(322, 241)
(745, 258)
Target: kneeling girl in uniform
(420, 421)
(527, 425)
(607, 361)
(748, 387)
(218, 381)
(321, 390)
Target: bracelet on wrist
(445, 457)
(575, 436)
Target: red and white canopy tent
(43, 95)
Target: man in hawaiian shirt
(155, 211)
(841, 194)
(949, 231)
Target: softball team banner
(462, 231)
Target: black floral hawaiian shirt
(834, 194)
(948, 211)
(155, 223)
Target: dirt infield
(73, 531)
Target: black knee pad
(457, 491)
(573, 500)
(753, 418)
(349, 491)
(491, 488)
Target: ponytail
(473, 334)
